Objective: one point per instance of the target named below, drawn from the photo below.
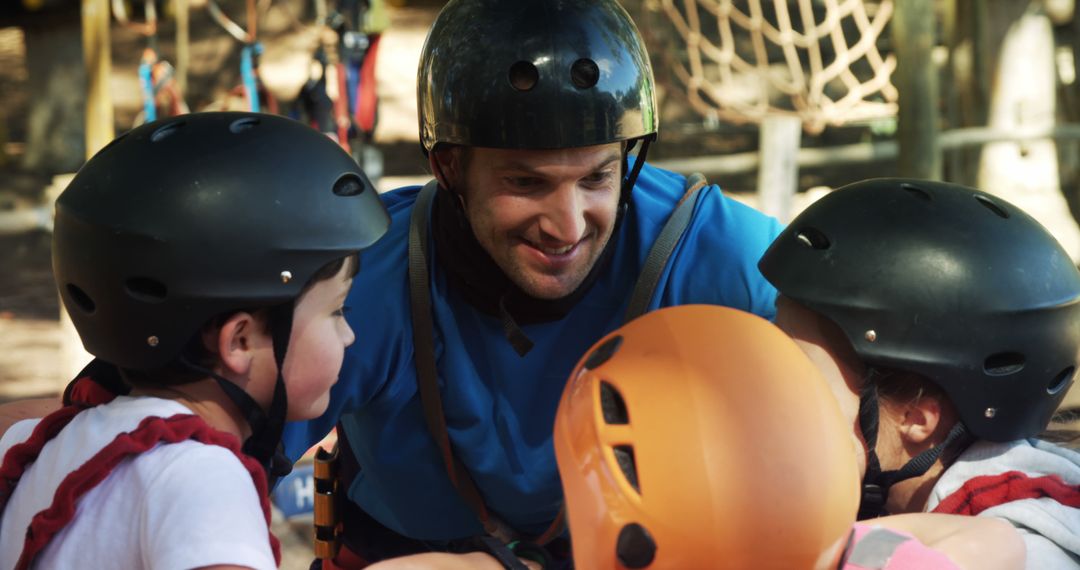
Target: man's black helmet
(180, 220)
(534, 74)
(947, 282)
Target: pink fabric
(876, 548)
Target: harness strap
(21, 455)
(97, 383)
(151, 431)
(662, 248)
(424, 342)
(424, 359)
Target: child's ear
(921, 420)
(236, 341)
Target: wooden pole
(183, 45)
(781, 137)
(1024, 97)
(916, 79)
(97, 57)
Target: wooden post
(916, 80)
(778, 172)
(183, 44)
(1024, 97)
(97, 56)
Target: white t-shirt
(174, 507)
(1051, 530)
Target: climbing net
(742, 66)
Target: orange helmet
(702, 436)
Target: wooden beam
(781, 136)
(183, 44)
(913, 27)
(816, 157)
(97, 55)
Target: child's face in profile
(827, 347)
(320, 335)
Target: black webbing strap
(426, 373)
(662, 248)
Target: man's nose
(563, 219)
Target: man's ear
(236, 342)
(444, 165)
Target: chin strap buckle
(327, 531)
(872, 504)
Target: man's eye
(340, 312)
(597, 178)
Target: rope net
(753, 60)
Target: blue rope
(247, 73)
(146, 80)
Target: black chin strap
(639, 161)
(266, 426)
(876, 483)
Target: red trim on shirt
(87, 392)
(986, 491)
(151, 431)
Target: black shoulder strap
(662, 248)
(424, 360)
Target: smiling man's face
(544, 216)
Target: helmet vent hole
(603, 352)
(1003, 363)
(812, 238)
(917, 192)
(166, 131)
(613, 405)
(584, 73)
(145, 289)
(349, 184)
(1061, 381)
(635, 547)
(992, 206)
(624, 455)
(81, 299)
(240, 125)
(524, 76)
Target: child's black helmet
(180, 220)
(534, 74)
(947, 282)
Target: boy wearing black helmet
(949, 321)
(543, 231)
(204, 262)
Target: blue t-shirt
(500, 407)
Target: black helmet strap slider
(876, 483)
(266, 425)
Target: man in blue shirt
(540, 234)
